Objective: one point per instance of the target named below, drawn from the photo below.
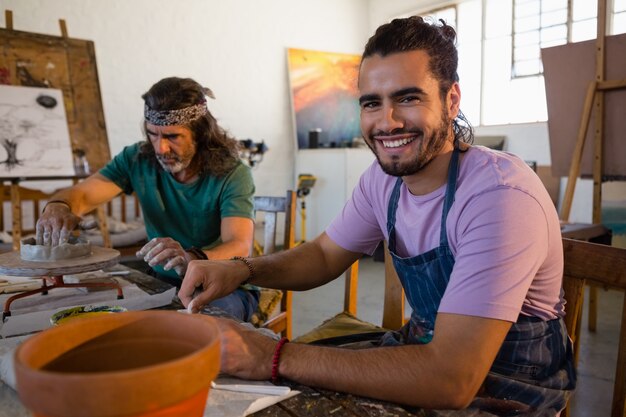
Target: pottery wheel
(12, 264)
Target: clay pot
(140, 363)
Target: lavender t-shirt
(503, 231)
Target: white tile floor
(597, 355)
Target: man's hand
(55, 225)
(167, 252)
(206, 281)
(245, 353)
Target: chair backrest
(393, 304)
(127, 243)
(270, 208)
(23, 201)
(602, 265)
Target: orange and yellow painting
(324, 96)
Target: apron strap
(391, 215)
(453, 172)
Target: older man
(195, 193)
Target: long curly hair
(217, 153)
(438, 40)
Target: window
(536, 24)
(618, 24)
(500, 41)
(448, 14)
(584, 23)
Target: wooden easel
(39, 60)
(16, 205)
(594, 100)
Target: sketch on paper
(34, 136)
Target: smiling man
(196, 195)
(474, 238)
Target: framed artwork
(324, 97)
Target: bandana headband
(175, 117)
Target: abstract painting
(324, 96)
(34, 136)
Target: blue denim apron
(533, 373)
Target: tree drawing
(23, 124)
(10, 147)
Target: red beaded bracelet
(276, 359)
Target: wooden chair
(124, 209)
(590, 263)
(23, 200)
(347, 322)
(269, 208)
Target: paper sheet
(222, 403)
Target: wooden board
(35, 60)
(11, 264)
(568, 69)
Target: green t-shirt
(188, 213)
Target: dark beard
(434, 145)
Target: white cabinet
(337, 171)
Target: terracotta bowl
(140, 363)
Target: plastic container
(140, 363)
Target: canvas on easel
(568, 69)
(64, 69)
(65, 64)
(578, 85)
(34, 137)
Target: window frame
(568, 28)
(484, 113)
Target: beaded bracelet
(248, 264)
(276, 359)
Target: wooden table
(311, 402)
(314, 402)
(596, 233)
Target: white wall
(235, 47)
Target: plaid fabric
(532, 375)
